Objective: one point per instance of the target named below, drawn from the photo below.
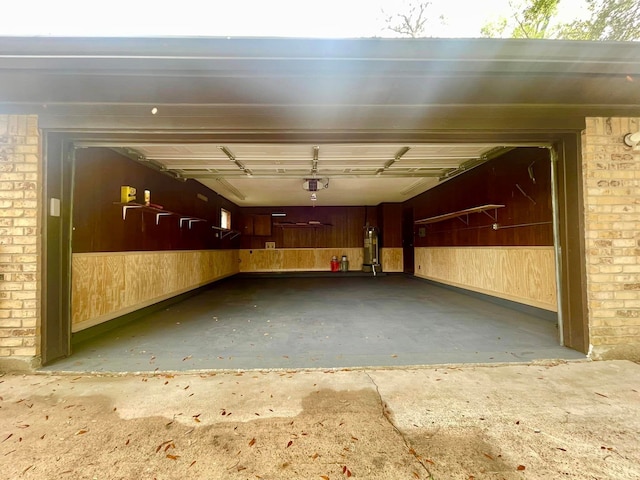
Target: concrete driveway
(569, 420)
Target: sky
(253, 18)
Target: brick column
(611, 173)
(20, 263)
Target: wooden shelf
(159, 213)
(463, 213)
(311, 224)
(226, 232)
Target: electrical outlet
(270, 245)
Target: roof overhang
(315, 84)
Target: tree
(531, 19)
(412, 23)
(610, 20)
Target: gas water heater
(371, 258)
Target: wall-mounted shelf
(463, 215)
(159, 213)
(311, 224)
(227, 232)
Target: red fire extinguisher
(335, 264)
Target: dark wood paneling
(504, 180)
(390, 224)
(97, 217)
(342, 227)
(262, 225)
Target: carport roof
(316, 84)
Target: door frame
(56, 248)
(59, 181)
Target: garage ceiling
(351, 174)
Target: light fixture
(278, 214)
(315, 184)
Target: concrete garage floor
(265, 323)
(578, 420)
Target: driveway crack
(386, 415)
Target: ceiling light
(230, 188)
(278, 214)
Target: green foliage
(531, 19)
(610, 20)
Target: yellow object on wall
(521, 274)
(127, 194)
(108, 285)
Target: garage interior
(463, 268)
(424, 140)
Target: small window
(225, 219)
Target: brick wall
(20, 186)
(611, 172)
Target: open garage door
(481, 223)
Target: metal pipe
(556, 238)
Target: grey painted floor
(249, 323)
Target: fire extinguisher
(335, 264)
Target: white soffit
(273, 174)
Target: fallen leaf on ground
(162, 445)
(80, 432)
(172, 457)
(252, 442)
(324, 477)
(290, 443)
(521, 467)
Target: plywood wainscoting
(297, 259)
(392, 259)
(108, 285)
(521, 274)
